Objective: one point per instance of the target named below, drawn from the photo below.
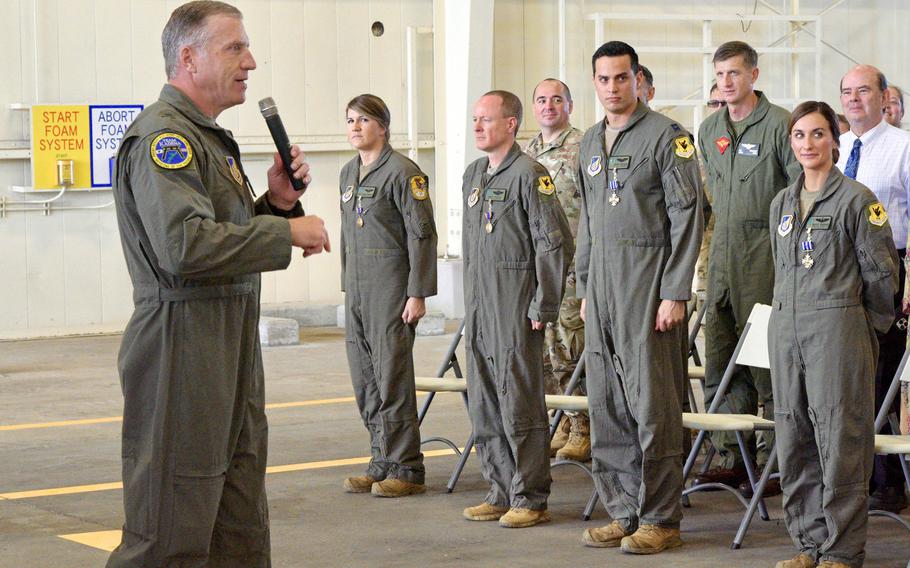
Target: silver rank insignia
(474, 197)
(808, 261)
(348, 194)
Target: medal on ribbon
(808, 246)
(614, 186)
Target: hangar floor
(60, 501)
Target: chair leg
(425, 408)
(456, 473)
(750, 471)
(589, 508)
(757, 497)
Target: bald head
(862, 94)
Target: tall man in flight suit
(517, 249)
(556, 148)
(638, 239)
(194, 426)
(746, 151)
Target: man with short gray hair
(517, 249)
(194, 425)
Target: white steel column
(468, 60)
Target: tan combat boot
(833, 564)
(518, 518)
(484, 512)
(578, 447)
(651, 539)
(561, 436)
(605, 537)
(799, 561)
(397, 488)
(359, 484)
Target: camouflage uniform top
(560, 157)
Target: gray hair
(186, 26)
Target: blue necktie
(853, 160)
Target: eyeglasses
(714, 103)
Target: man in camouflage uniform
(556, 148)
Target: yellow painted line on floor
(108, 419)
(74, 489)
(102, 540)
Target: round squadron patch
(683, 147)
(419, 188)
(877, 214)
(348, 194)
(171, 151)
(786, 225)
(474, 197)
(596, 165)
(545, 185)
(235, 171)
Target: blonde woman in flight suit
(388, 268)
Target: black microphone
(280, 136)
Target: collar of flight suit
(832, 183)
(514, 152)
(383, 158)
(177, 99)
(758, 113)
(640, 112)
(556, 143)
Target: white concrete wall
(65, 272)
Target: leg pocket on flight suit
(195, 508)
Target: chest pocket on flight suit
(756, 163)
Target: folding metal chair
(893, 444)
(750, 351)
(440, 383)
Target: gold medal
(360, 221)
(488, 227)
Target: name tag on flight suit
(619, 162)
(492, 194)
(819, 223)
(748, 149)
(366, 191)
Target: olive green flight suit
(745, 173)
(194, 426)
(633, 253)
(517, 248)
(828, 304)
(388, 254)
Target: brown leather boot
(651, 539)
(561, 436)
(359, 484)
(578, 447)
(484, 512)
(799, 561)
(518, 518)
(397, 488)
(609, 536)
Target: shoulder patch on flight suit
(877, 214)
(596, 165)
(171, 151)
(348, 194)
(545, 185)
(683, 147)
(722, 144)
(474, 197)
(235, 171)
(786, 225)
(419, 188)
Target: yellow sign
(60, 133)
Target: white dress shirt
(884, 167)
